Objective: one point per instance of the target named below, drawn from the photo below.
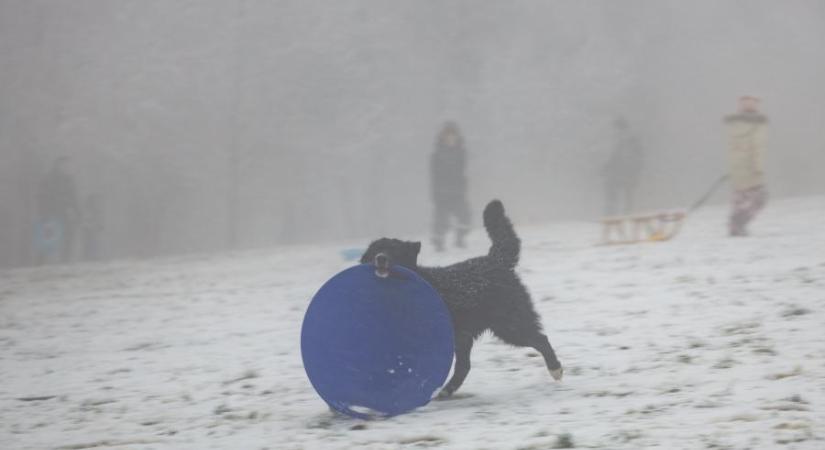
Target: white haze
(325, 111)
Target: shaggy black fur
(482, 293)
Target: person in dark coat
(448, 183)
(622, 170)
(58, 214)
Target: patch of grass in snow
(765, 351)
(741, 328)
(628, 435)
(684, 359)
(794, 311)
(424, 441)
(247, 375)
(725, 363)
(564, 440)
(779, 376)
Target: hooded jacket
(746, 142)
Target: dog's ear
(369, 253)
(411, 250)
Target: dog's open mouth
(382, 265)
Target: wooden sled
(651, 227)
(633, 229)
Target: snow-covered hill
(701, 342)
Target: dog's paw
(557, 373)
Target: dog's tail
(506, 244)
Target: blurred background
(210, 125)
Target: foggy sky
(325, 112)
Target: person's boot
(737, 227)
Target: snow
(701, 342)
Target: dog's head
(385, 252)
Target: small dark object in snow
(34, 399)
(564, 440)
(220, 409)
(249, 374)
(795, 311)
(685, 359)
(796, 399)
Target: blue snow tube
(376, 346)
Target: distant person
(746, 140)
(622, 170)
(92, 227)
(448, 183)
(57, 215)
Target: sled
(651, 227)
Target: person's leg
(746, 204)
(736, 220)
(462, 215)
(628, 205)
(39, 243)
(756, 199)
(90, 245)
(610, 200)
(440, 224)
(67, 242)
(760, 199)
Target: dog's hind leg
(542, 344)
(514, 333)
(463, 347)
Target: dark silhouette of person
(448, 183)
(58, 214)
(622, 170)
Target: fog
(211, 125)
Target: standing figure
(448, 182)
(58, 215)
(622, 170)
(746, 141)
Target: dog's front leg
(463, 347)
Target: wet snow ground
(701, 342)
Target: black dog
(482, 293)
